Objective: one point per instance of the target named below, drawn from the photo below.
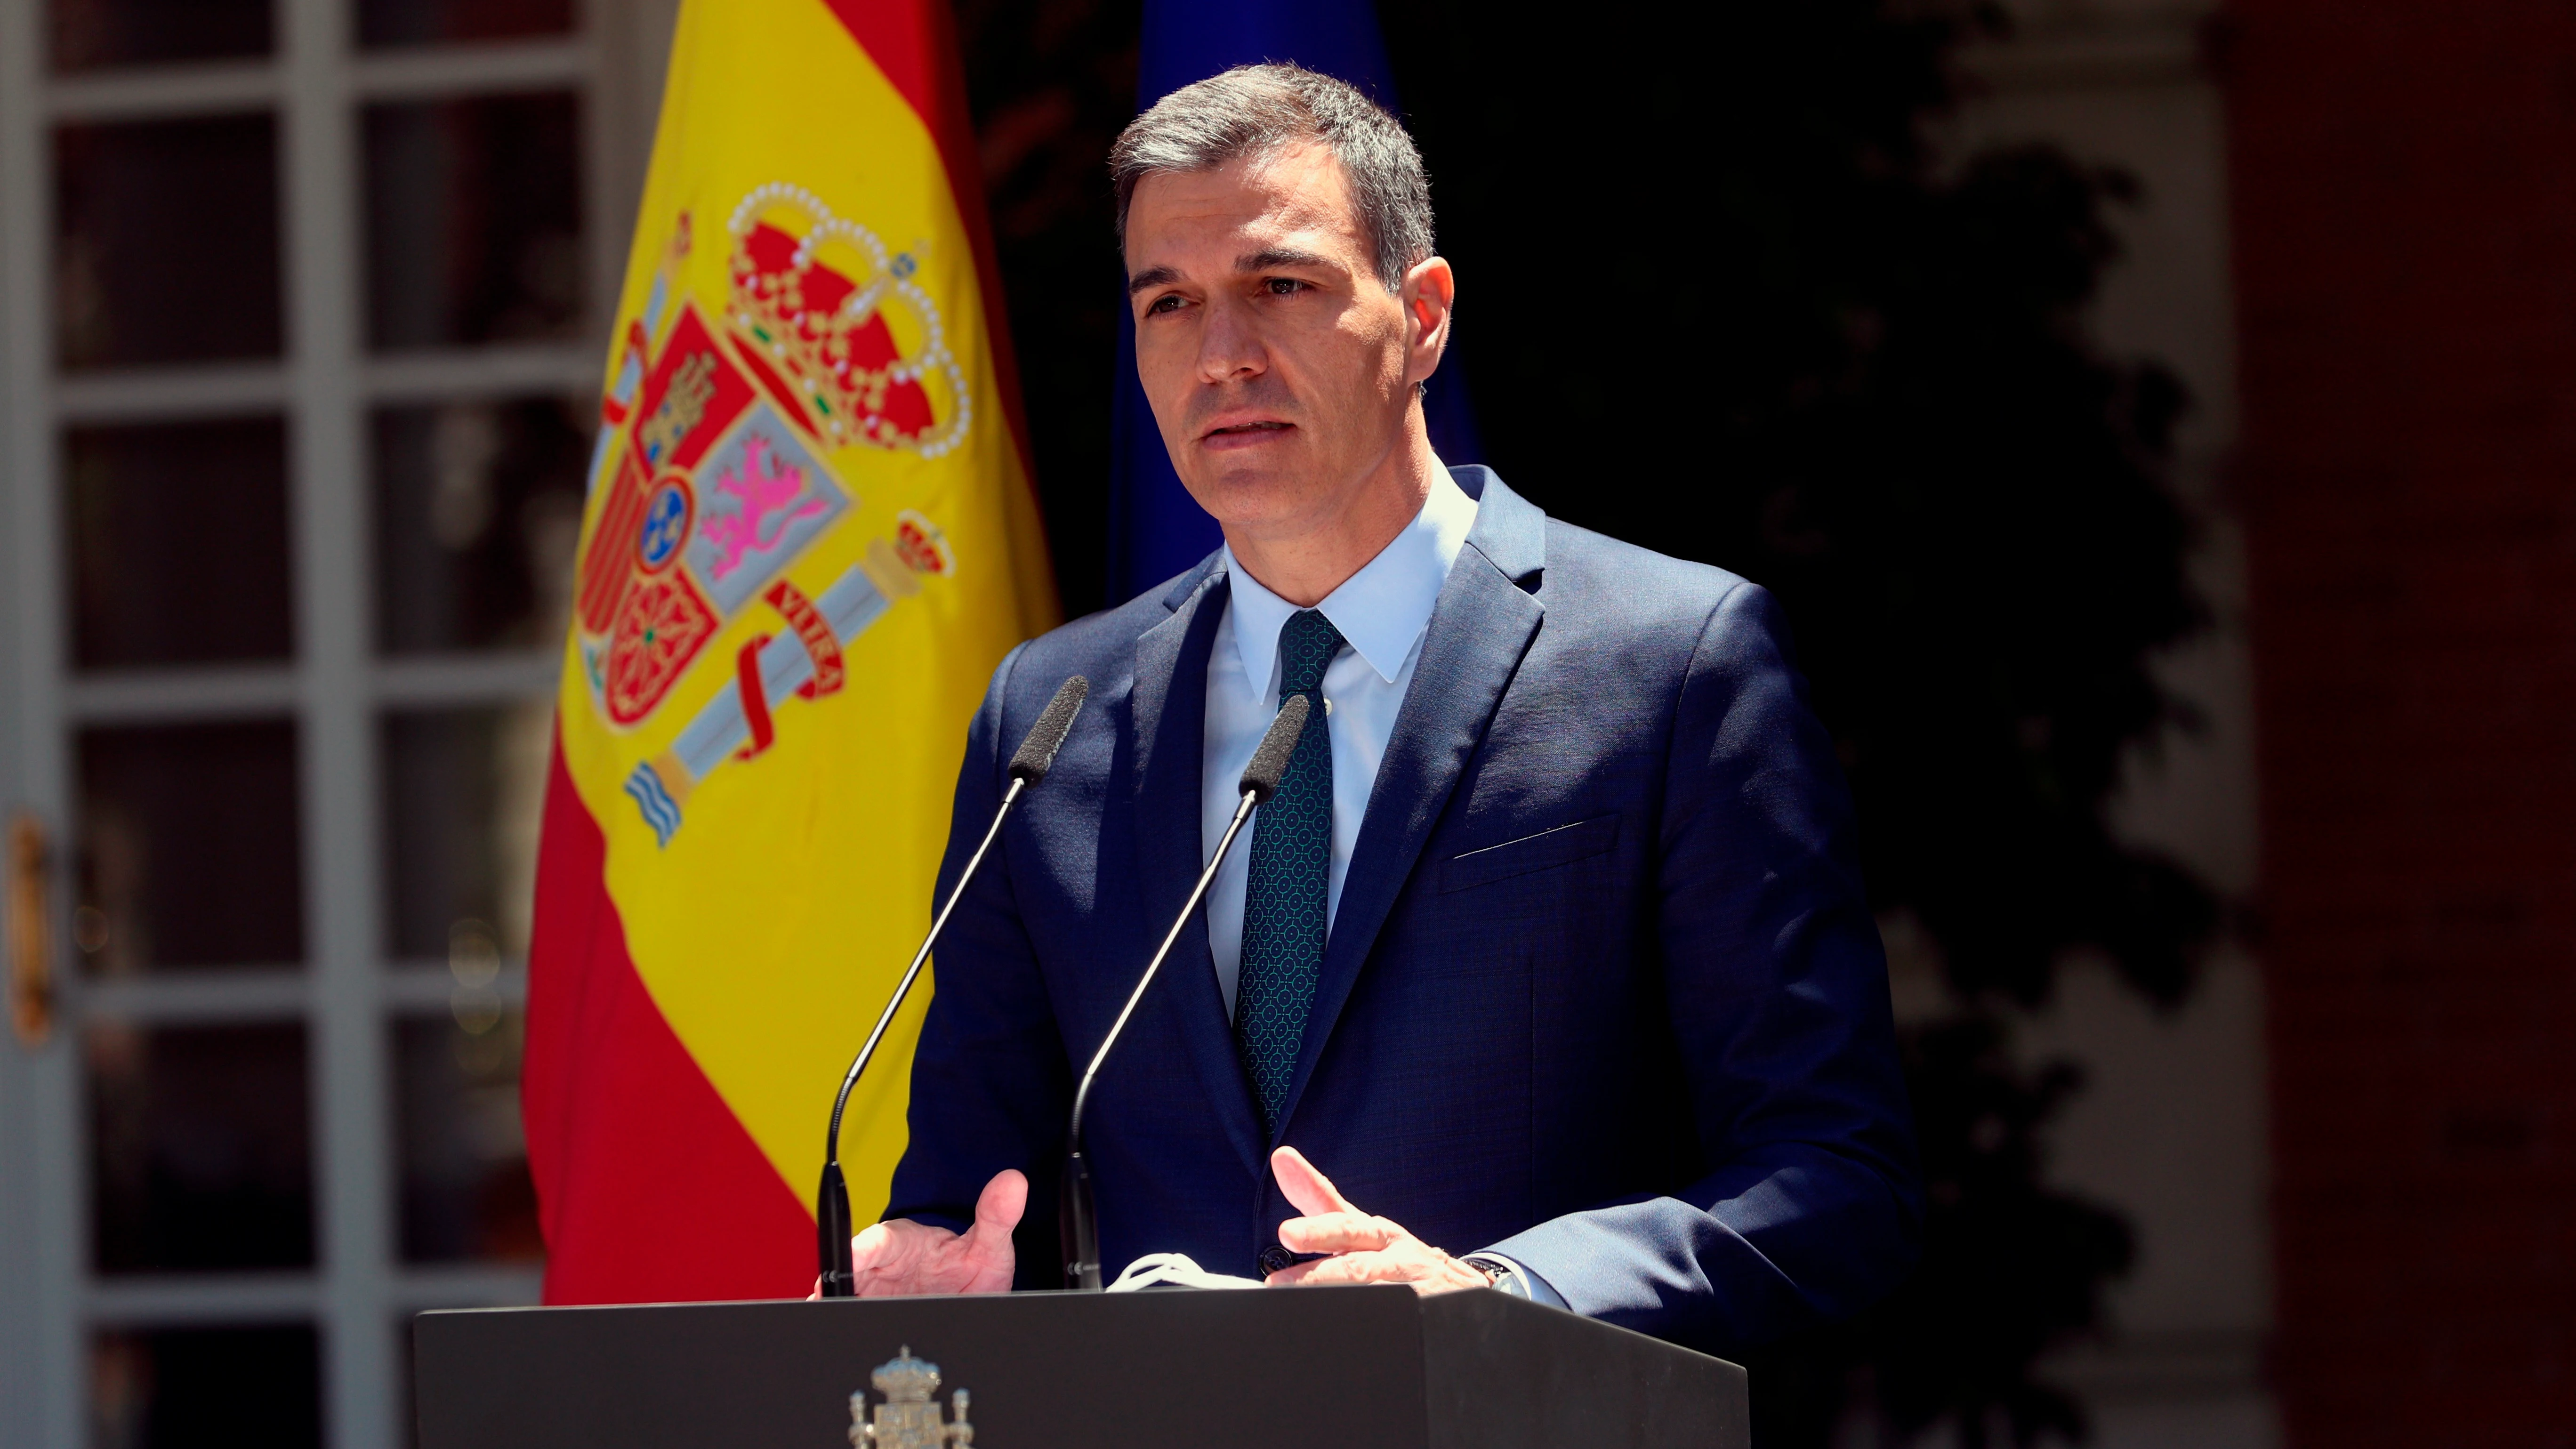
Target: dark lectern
(1313, 1368)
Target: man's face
(1275, 360)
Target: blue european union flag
(1155, 528)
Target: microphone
(1080, 1217)
(1029, 765)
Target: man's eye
(1164, 303)
(1283, 286)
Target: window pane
(179, 543)
(92, 34)
(189, 851)
(384, 23)
(465, 1187)
(478, 506)
(473, 220)
(187, 1388)
(165, 242)
(200, 1156)
(463, 789)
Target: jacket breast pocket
(1543, 851)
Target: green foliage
(2011, 1270)
(1716, 297)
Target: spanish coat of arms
(712, 451)
(909, 1418)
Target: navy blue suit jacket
(1603, 992)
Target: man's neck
(1305, 565)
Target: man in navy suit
(1551, 946)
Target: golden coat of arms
(909, 1418)
(717, 433)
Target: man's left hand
(1364, 1249)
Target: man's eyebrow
(1151, 277)
(1263, 261)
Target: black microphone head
(1037, 752)
(1261, 777)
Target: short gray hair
(1258, 110)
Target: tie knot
(1307, 643)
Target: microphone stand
(832, 1200)
(1081, 1217)
(832, 1221)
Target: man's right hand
(900, 1256)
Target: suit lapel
(1168, 712)
(1482, 625)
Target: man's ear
(1430, 290)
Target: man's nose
(1230, 346)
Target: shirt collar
(1381, 610)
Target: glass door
(299, 347)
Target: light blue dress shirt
(1383, 611)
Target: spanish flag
(809, 539)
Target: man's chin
(1249, 493)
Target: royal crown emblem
(908, 1419)
(819, 299)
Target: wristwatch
(1501, 1275)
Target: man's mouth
(1236, 436)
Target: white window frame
(336, 689)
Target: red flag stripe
(648, 1187)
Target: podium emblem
(909, 1418)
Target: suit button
(1274, 1258)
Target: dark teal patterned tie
(1284, 897)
